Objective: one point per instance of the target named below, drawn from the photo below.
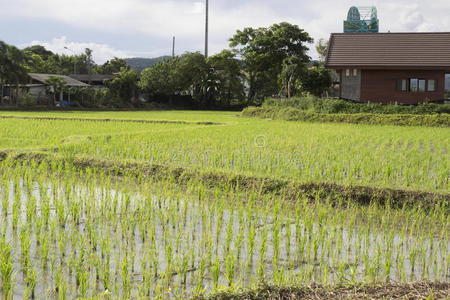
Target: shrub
(28, 100)
(294, 114)
(337, 106)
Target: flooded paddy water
(71, 233)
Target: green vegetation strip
(337, 106)
(110, 120)
(294, 114)
(290, 190)
(414, 290)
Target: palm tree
(57, 84)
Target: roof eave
(330, 45)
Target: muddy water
(163, 240)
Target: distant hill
(139, 64)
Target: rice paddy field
(86, 212)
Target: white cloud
(161, 19)
(100, 52)
(198, 8)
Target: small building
(36, 90)
(403, 68)
(40, 83)
(11, 93)
(42, 79)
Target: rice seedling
(82, 230)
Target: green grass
(337, 106)
(295, 114)
(90, 234)
(217, 205)
(381, 156)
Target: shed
(42, 78)
(94, 80)
(70, 82)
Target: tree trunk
(289, 86)
(17, 94)
(251, 88)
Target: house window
(422, 85)
(402, 85)
(355, 72)
(431, 85)
(413, 84)
(347, 72)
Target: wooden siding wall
(381, 86)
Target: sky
(144, 28)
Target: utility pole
(173, 47)
(206, 29)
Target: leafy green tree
(162, 79)
(292, 69)
(3, 69)
(316, 81)
(196, 78)
(228, 71)
(124, 87)
(41, 60)
(52, 65)
(88, 60)
(12, 69)
(35, 63)
(322, 49)
(39, 51)
(263, 51)
(112, 66)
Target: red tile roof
(389, 50)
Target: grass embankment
(166, 115)
(310, 109)
(414, 290)
(337, 106)
(295, 114)
(99, 119)
(289, 189)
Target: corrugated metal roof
(69, 81)
(92, 77)
(31, 85)
(404, 50)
